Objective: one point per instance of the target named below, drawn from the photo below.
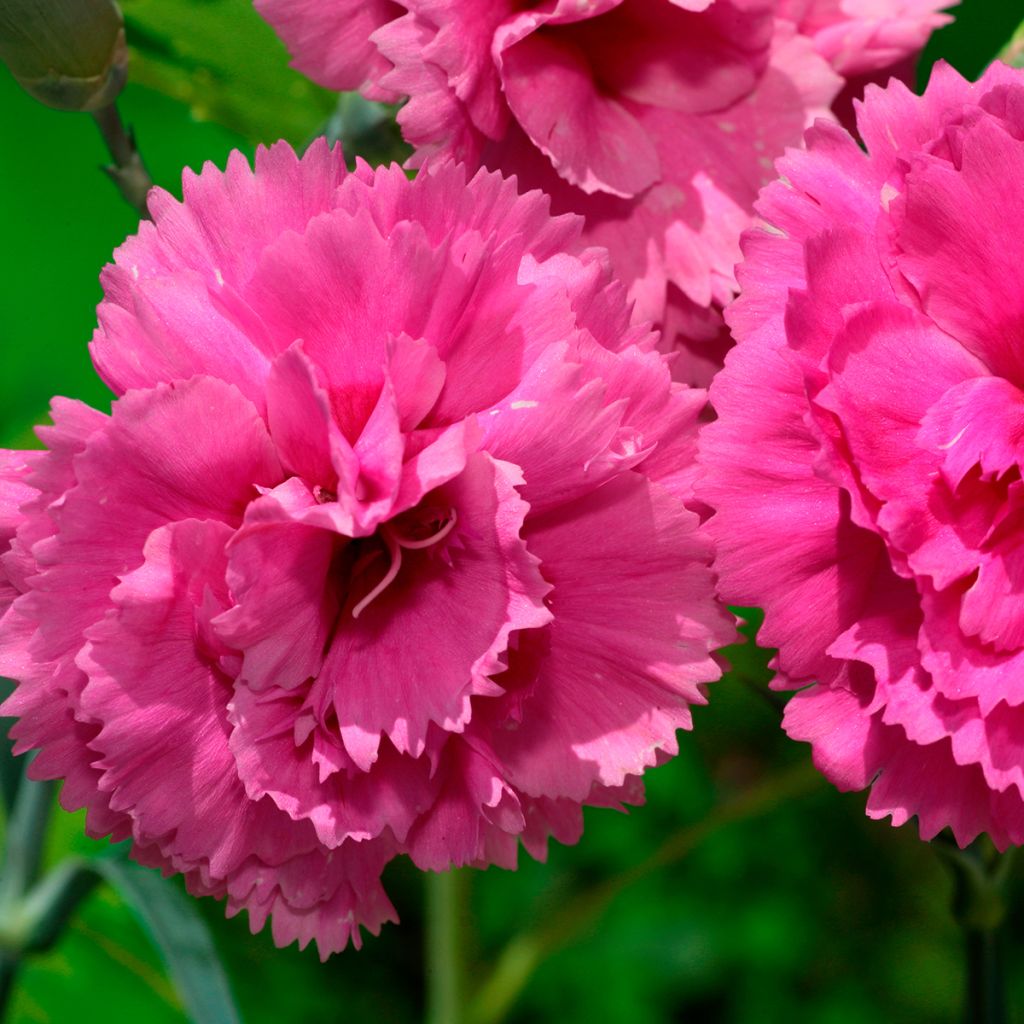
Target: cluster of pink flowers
(382, 549)
(656, 120)
(396, 540)
(866, 466)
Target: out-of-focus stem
(524, 953)
(127, 172)
(23, 854)
(979, 906)
(446, 908)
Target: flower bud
(68, 54)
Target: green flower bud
(68, 54)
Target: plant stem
(979, 906)
(986, 988)
(526, 952)
(23, 854)
(9, 964)
(127, 172)
(446, 895)
(26, 834)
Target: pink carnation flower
(867, 40)
(382, 549)
(866, 464)
(658, 120)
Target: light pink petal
(557, 429)
(15, 492)
(171, 289)
(193, 450)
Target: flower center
(424, 532)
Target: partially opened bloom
(866, 463)
(658, 120)
(382, 549)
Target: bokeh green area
(805, 912)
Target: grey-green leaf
(179, 934)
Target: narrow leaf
(181, 937)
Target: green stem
(9, 964)
(446, 896)
(127, 172)
(979, 906)
(23, 854)
(986, 986)
(26, 835)
(526, 952)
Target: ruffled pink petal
(171, 291)
(637, 619)
(473, 803)
(850, 744)
(951, 237)
(308, 440)
(487, 586)
(926, 782)
(559, 427)
(275, 739)
(161, 706)
(811, 563)
(326, 897)
(285, 606)
(330, 42)
(593, 140)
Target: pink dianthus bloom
(657, 120)
(866, 463)
(867, 41)
(383, 549)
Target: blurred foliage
(223, 61)
(809, 913)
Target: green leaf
(226, 63)
(181, 936)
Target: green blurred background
(804, 912)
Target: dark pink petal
(632, 621)
(593, 140)
(308, 440)
(331, 42)
(473, 802)
(487, 586)
(951, 237)
(161, 706)
(285, 606)
(275, 737)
